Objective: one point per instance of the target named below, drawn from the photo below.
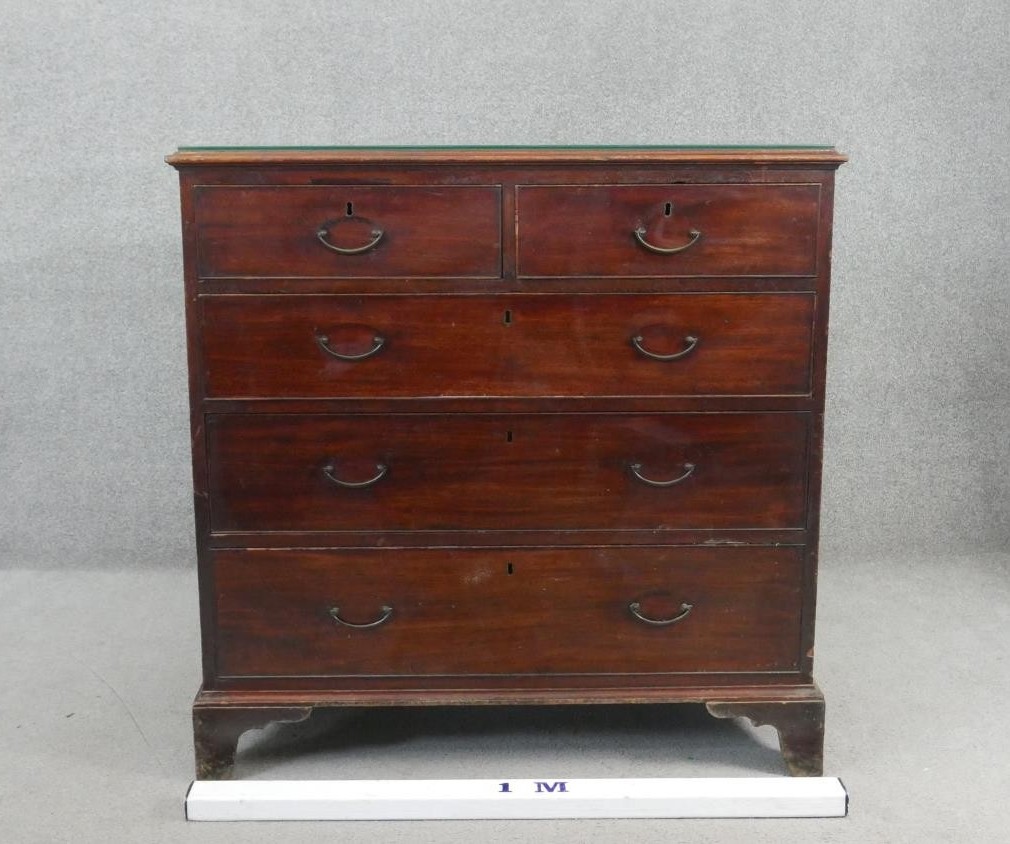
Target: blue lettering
(552, 786)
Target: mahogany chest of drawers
(497, 426)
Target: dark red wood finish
(438, 230)
(741, 230)
(516, 345)
(507, 286)
(562, 611)
(527, 472)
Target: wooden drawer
(437, 231)
(708, 230)
(517, 345)
(502, 612)
(495, 472)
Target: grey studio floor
(99, 669)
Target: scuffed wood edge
(295, 157)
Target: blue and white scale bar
(344, 800)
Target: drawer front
(493, 472)
(518, 345)
(440, 231)
(667, 230)
(504, 612)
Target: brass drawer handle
(636, 610)
(387, 611)
(689, 345)
(378, 341)
(323, 233)
(662, 250)
(636, 470)
(380, 470)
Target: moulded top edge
(323, 155)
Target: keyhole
(350, 209)
(508, 436)
(507, 319)
(509, 568)
(668, 209)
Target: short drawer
(667, 230)
(348, 231)
(372, 613)
(516, 345)
(409, 472)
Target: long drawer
(491, 472)
(348, 231)
(517, 345)
(501, 612)
(667, 230)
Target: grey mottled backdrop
(94, 467)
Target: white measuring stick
(549, 797)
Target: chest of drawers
(500, 426)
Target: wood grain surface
(439, 230)
(519, 345)
(487, 472)
(501, 612)
(722, 230)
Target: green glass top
(513, 147)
